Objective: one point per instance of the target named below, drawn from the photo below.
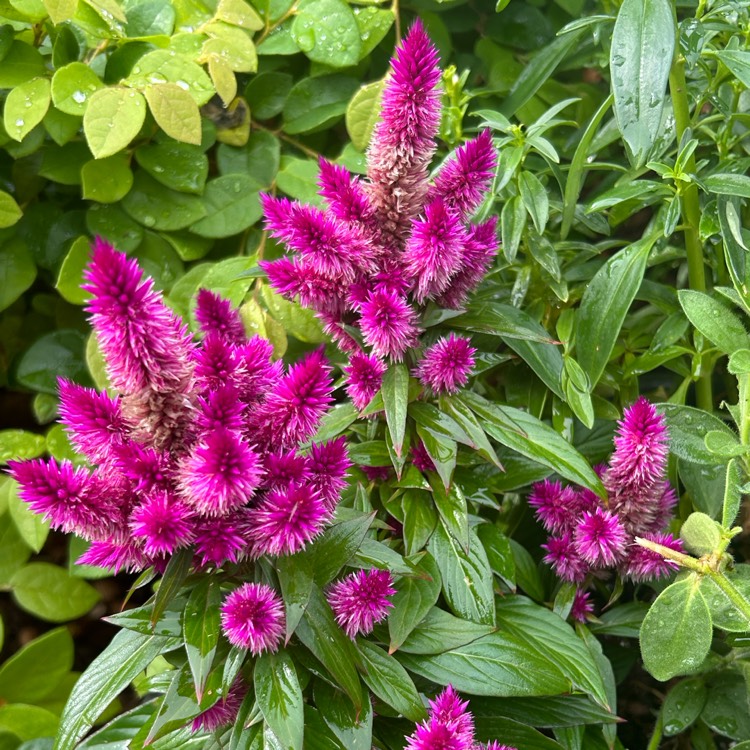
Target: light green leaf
(73, 86)
(714, 320)
(21, 63)
(27, 722)
(738, 61)
(32, 527)
(10, 213)
(239, 13)
(363, 112)
(175, 112)
(640, 59)
(395, 391)
(19, 445)
(25, 107)
(61, 10)
(107, 180)
(201, 627)
(728, 184)
(688, 428)
(112, 119)
(327, 32)
(535, 200)
(163, 66)
(158, 207)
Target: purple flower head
(564, 557)
(447, 364)
(221, 473)
(299, 279)
(448, 709)
(556, 506)
(222, 539)
(329, 463)
(71, 498)
(220, 409)
(164, 524)
(287, 519)
(361, 599)
(433, 252)
(364, 378)
(224, 711)
(216, 362)
(464, 179)
(344, 194)
(494, 745)
(115, 554)
(94, 421)
(432, 735)
(146, 347)
(641, 449)
(403, 142)
(421, 458)
(252, 617)
(286, 467)
(292, 410)
(389, 324)
(600, 538)
(645, 565)
(216, 315)
(582, 607)
(147, 469)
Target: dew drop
(149, 220)
(79, 97)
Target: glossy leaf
(395, 392)
(280, 698)
(201, 627)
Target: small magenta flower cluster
(450, 726)
(588, 535)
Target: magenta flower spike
(643, 564)
(556, 506)
(252, 617)
(224, 711)
(361, 600)
(582, 608)
(364, 378)
(432, 735)
(216, 315)
(221, 540)
(447, 364)
(164, 523)
(389, 324)
(328, 466)
(563, 555)
(600, 538)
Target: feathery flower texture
(449, 726)
(587, 535)
(201, 446)
(361, 599)
(388, 244)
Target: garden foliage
(461, 406)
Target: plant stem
(739, 601)
(691, 215)
(653, 743)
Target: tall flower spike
(600, 538)
(344, 194)
(328, 464)
(361, 599)
(563, 556)
(299, 279)
(433, 250)
(93, 421)
(252, 617)
(645, 565)
(389, 324)
(556, 506)
(214, 313)
(292, 410)
(463, 180)
(224, 711)
(447, 364)
(403, 141)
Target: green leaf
(296, 320)
(714, 320)
(605, 304)
(352, 727)
(442, 450)
(335, 422)
(163, 66)
(728, 184)
(10, 213)
(465, 418)
(395, 392)
(420, 519)
(552, 637)
(499, 552)
(14, 552)
(535, 200)
(440, 631)
(732, 494)
(335, 546)
(512, 224)
(60, 10)
(726, 711)
(688, 428)
(415, 597)
(326, 640)
(113, 118)
(17, 268)
(34, 671)
(174, 576)
(676, 632)
(315, 103)
(327, 32)
(50, 593)
(157, 207)
(32, 527)
(179, 166)
(683, 705)
(27, 722)
(363, 112)
(21, 63)
(534, 439)
(451, 507)
(73, 86)
(19, 445)
(738, 62)
(390, 682)
(175, 111)
(640, 59)
(231, 205)
(296, 579)
(25, 107)
(56, 354)
(70, 277)
(466, 576)
(724, 614)
(279, 697)
(498, 664)
(111, 672)
(107, 180)
(201, 627)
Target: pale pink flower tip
(252, 617)
(361, 599)
(447, 364)
(600, 538)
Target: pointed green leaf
(279, 697)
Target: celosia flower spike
(389, 324)
(364, 378)
(582, 607)
(403, 142)
(164, 524)
(447, 364)
(564, 557)
(361, 599)
(556, 506)
(344, 194)
(328, 464)
(252, 617)
(600, 538)
(224, 711)
(216, 314)
(645, 565)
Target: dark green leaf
(351, 725)
(314, 103)
(201, 627)
(177, 569)
(395, 392)
(687, 431)
(54, 355)
(714, 320)
(296, 579)
(683, 705)
(335, 547)
(440, 631)
(280, 698)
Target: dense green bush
(622, 132)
